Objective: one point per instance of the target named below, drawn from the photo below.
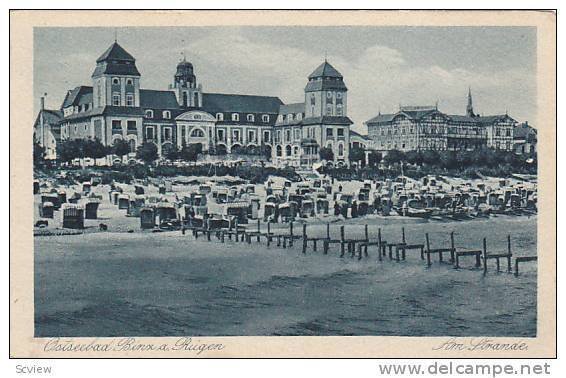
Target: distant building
(426, 128)
(358, 140)
(46, 130)
(524, 139)
(115, 107)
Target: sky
(383, 67)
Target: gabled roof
(155, 99)
(78, 96)
(116, 61)
(327, 120)
(50, 117)
(298, 107)
(115, 52)
(524, 131)
(356, 134)
(220, 102)
(381, 118)
(325, 70)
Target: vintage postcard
(283, 184)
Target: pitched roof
(381, 118)
(155, 99)
(50, 117)
(325, 70)
(78, 96)
(327, 120)
(115, 52)
(356, 134)
(220, 102)
(523, 131)
(298, 107)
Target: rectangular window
(149, 133)
(265, 118)
(329, 133)
(129, 99)
(235, 117)
(116, 125)
(132, 126)
(266, 136)
(287, 135)
(251, 136)
(116, 99)
(340, 132)
(221, 135)
(236, 135)
(167, 135)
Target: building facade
(115, 107)
(320, 121)
(426, 128)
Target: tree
(120, 148)
(38, 154)
(394, 156)
(94, 149)
(430, 157)
(357, 154)
(326, 153)
(147, 152)
(448, 159)
(68, 150)
(172, 153)
(414, 157)
(374, 158)
(190, 152)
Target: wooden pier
(239, 233)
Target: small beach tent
(123, 201)
(91, 210)
(73, 216)
(46, 210)
(147, 218)
(86, 187)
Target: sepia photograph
(368, 180)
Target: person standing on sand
(354, 209)
(336, 209)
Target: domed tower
(189, 94)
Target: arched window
(250, 118)
(296, 151)
(129, 82)
(166, 114)
(115, 81)
(288, 150)
(328, 109)
(149, 113)
(219, 116)
(185, 99)
(340, 150)
(339, 109)
(279, 150)
(235, 117)
(265, 118)
(197, 133)
(132, 144)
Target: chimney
(42, 103)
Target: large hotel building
(426, 128)
(115, 107)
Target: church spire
(470, 107)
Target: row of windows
(116, 81)
(166, 114)
(116, 99)
(290, 117)
(236, 117)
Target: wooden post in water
(367, 241)
(428, 263)
(325, 242)
(403, 235)
(379, 244)
(305, 238)
(258, 229)
(452, 248)
(484, 256)
(268, 233)
(291, 233)
(208, 229)
(342, 241)
(509, 254)
(404, 241)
